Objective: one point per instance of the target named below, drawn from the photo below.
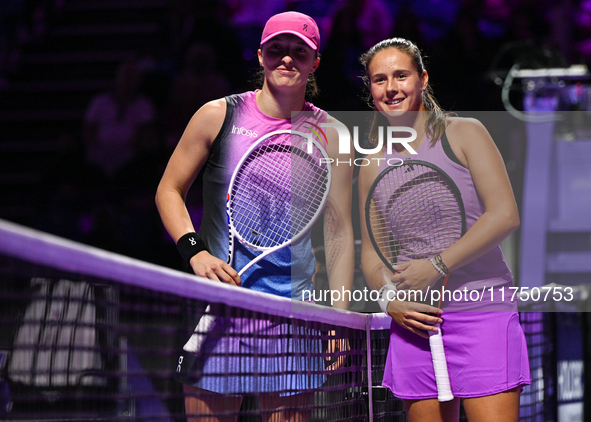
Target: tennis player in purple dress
(215, 139)
(483, 341)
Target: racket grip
(440, 365)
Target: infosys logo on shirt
(244, 131)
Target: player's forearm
(173, 213)
(340, 267)
(486, 233)
(340, 278)
(340, 254)
(339, 246)
(375, 272)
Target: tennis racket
(277, 192)
(414, 211)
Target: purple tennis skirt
(244, 356)
(486, 354)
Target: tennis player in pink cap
(215, 139)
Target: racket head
(278, 190)
(413, 211)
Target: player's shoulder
(464, 126)
(333, 120)
(209, 119)
(211, 112)
(466, 132)
(214, 108)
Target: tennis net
(90, 335)
(86, 334)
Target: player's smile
(395, 83)
(394, 102)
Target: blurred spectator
(68, 187)
(317, 9)
(407, 25)
(209, 21)
(112, 120)
(249, 18)
(494, 18)
(179, 25)
(583, 24)
(355, 26)
(560, 16)
(142, 174)
(198, 82)
(462, 90)
(158, 70)
(138, 226)
(436, 18)
(68, 168)
(527, 22)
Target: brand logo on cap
(306, 27)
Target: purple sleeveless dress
(253, 350)
(484, 343)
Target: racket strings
(414, 213)
(277, 192)
(309, 181)
(260, 197)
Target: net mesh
(90, 335)
(538, 400)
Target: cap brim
(308, 42)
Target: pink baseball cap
(294, 23)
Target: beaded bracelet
(189, 245)
(439, 270)
(439, 265)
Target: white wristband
(384, 298)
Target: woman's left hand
(415, 275)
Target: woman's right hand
(206, 265)
(414, 316)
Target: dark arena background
(82, 246)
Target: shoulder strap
(448, 151)
(231, 102)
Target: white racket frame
(269, 250)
